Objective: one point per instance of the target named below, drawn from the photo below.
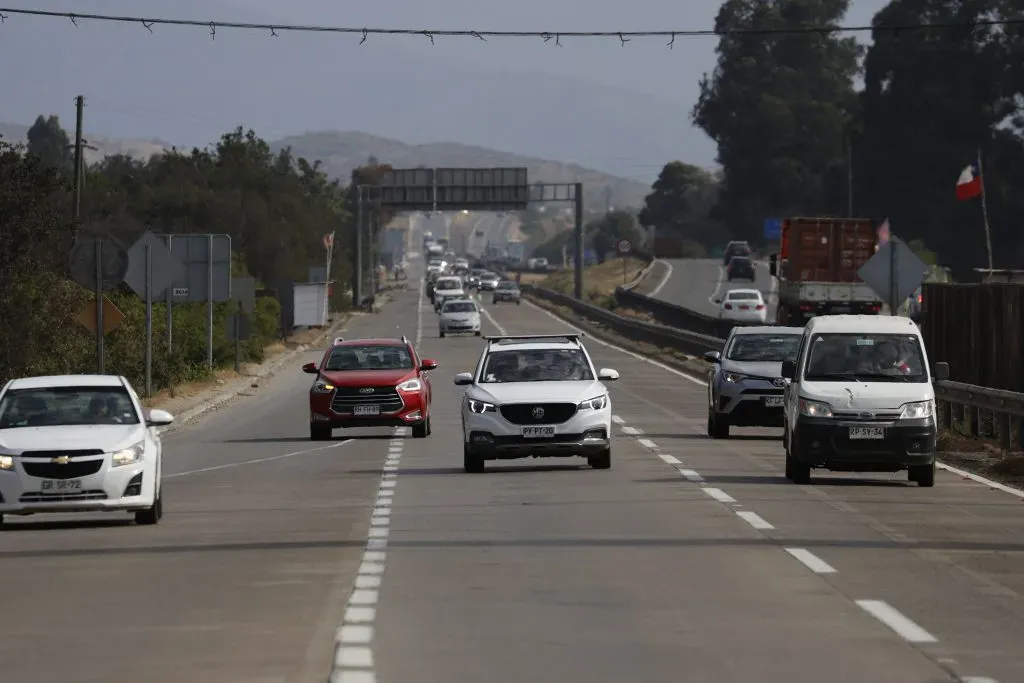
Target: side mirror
(773, 265)
(788, 370)
(428, 364)
(607, 375)
(463, 378)
(310, 368)
(713, 357)
(158, 418)
(941, 372)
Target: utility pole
(79, 163)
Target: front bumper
(826, 443)
(130, 487)
(491, 436)
(321, 413)
(459, 328)
(750, 404)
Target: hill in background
(340, 153)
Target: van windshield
(865, 357)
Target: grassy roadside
(599, 282)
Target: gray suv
(746, 385)
(505, 290)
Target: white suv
(539, 396)
(447, 287)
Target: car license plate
(61, 485)
(772, 401)
(867, 432)
(841, 309)
(538, 432)
(366, 410)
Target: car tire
(153, 513)
(440, 333)
(719, 426)
(420, 431)
(472, 463)
(797, 471)
(922, 475)
(430, 426)
(320, 433)
(602, 461)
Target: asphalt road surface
(696, 283)
(690, 560)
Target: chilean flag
(969, 185)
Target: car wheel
(478, 333)
(720, 426)
(602, 461)
(419, 431)
(923, 475)
(470, 461)
(153, 513)
(797, 471)
(320, 433)
(440, 333)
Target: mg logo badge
(366, 390)
(538, 413)
(779, 382)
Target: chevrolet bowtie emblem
(61, 460)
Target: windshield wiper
(846, 376)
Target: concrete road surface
(696, 283)
(690, 560)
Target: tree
(50, 143)
(604, 232)
(779, 108)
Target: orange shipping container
(826, 249)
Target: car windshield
(506, 284)
(369, 357)
(763, 348)
(536, 365)
(448, 284)
(489, 276)
(740, 261)
(459, 307)
(859, 357)
(67, 406)
(744, 296)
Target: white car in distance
(536, 396)
(448, 287)
(743, 305)
(79, 443)
(459, 316)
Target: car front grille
(73, 469)
(346, 398)
(62, 497)
(523, 413)
(866, 416)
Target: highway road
(696, 283)
(690, 560)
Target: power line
(547, 36)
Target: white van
(860, 399)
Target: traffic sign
(112, 267)
(907, 269)
(773, 229)
(112, 317)
(623, 247)
(165, 267)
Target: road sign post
(623, 247)
(98, 263)
(773, 229)
(894, 272)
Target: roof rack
(404, 340)
(568, 336)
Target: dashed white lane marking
(257, 461)
(617, 420)
(753, 519)
(632, 431)
(669, 459)
(811, 561)
(487, 314)
(978, 679)
(718, 494)
(692, 475)
(353, 652)
(901, 625)
(647, 443)
(718, 286)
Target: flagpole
(984, 212)
(327, 280)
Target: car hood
(538, 392)
(866, 396)
(71, 437)
(449, 292)
(365, 378)
(755, 369)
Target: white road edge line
(664, 280)
(976, 478)
(901, 625)
(718, 285)
(419, 311)
(718, 494)
(669, 459)
(755, 520)
(257, 461)
(501, 330)
(632, 431)
(811, 561)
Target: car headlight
(476, 406)
(129, 455)
(410, 385)
(596, 403)
(6, 462)
(322, 387)
(815, 408)
(918, 410)
(734, 377)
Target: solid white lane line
(669, 459)
(718, 494)
(811, 561)
(753, 519)
(647, 443)
(356, 635)
(388, 483)
(257, 461)
(371, 568)
(901, 625)
(364, 597)
(718, 286)
(360, 615)
(356, 656)
(664, 279)
(363, 581)
(487, 314)
(353, 676)
(373, 555)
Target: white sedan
(79, 443)
(743, 305)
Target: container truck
(816, 268)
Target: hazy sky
(138, 106)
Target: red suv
(369, 383)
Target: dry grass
(599, 282)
